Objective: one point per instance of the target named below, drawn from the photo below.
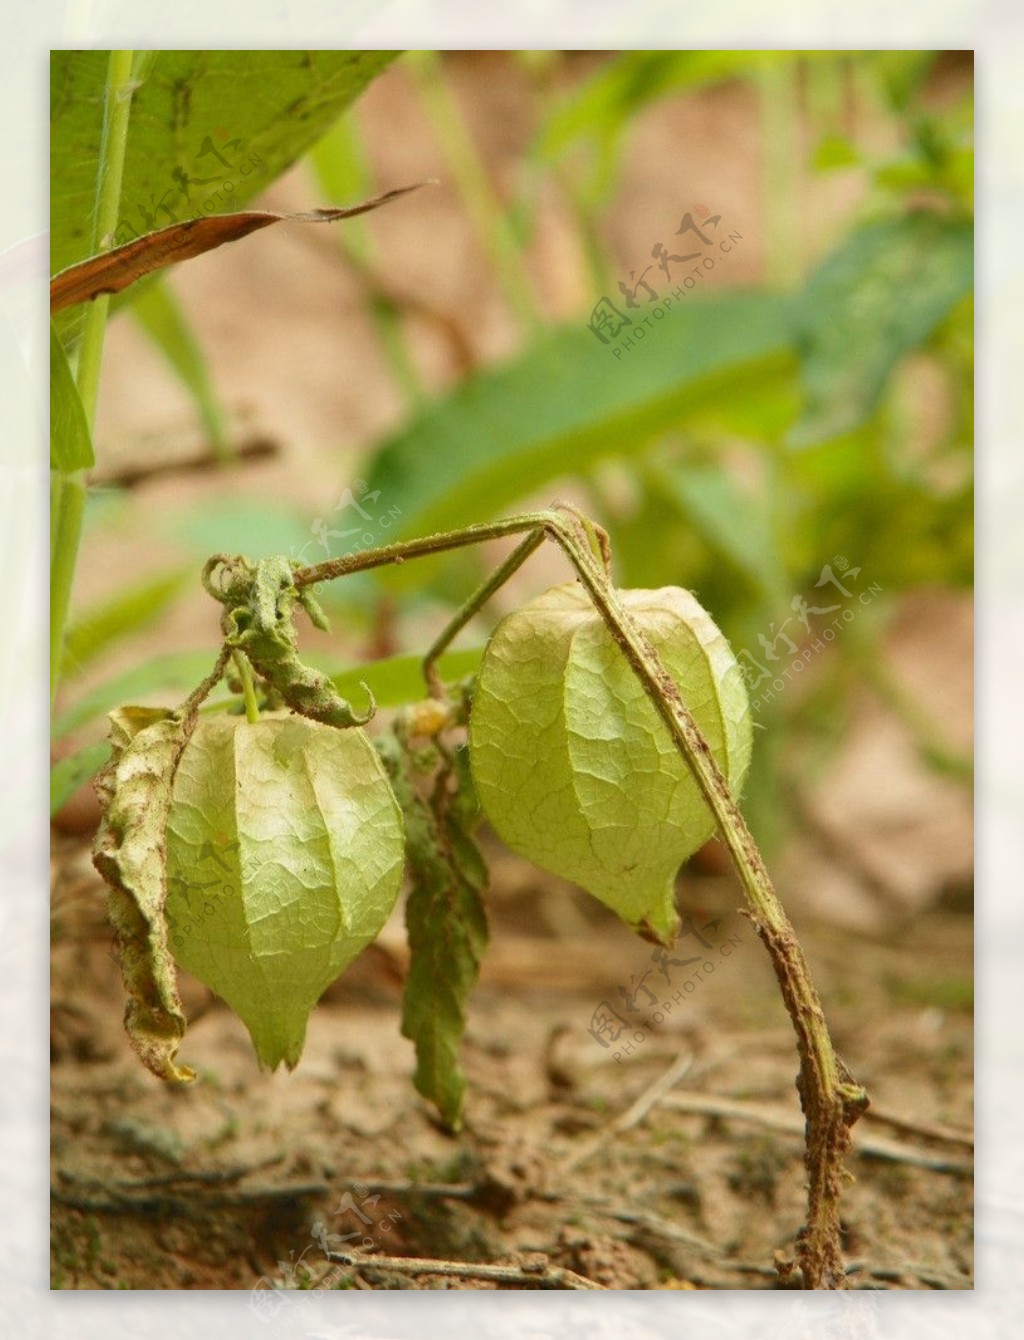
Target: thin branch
(927, 1130)
(479, 598)
(636, 1112)
(397, 1187)
(831, 1099)
(655, 1224)
(131, 476)
(403, 550)
(543, 1276)
(242, 665)
(871, 1146)
(166, 1202)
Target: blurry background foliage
(759, 433)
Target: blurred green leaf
(393, 680)
(848, 497)
(901, 74)
(651, 544)
(172, 675)
(835, 151)
(246, 525)
(397, 680)
(133, 608)
(71, 772)
(567, 403)
(734, 522)
(952, 174)
(208, 130)
(160, 315)
(70, 440)
(879, 295)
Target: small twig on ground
(927, 1131)
(654, 1223)
(930, 1275)
(127, 1202)
(210, 1176)
(442, 1190)
(872, 1146)
(634, 1114)
(543, 1276)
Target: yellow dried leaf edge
(130, 853)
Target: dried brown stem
(831, 1100)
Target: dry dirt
(243, 1178)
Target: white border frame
(26, 34)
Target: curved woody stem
(830, 1098)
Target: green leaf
(132, 609)
(70, 773)
(160, 315)
(901, 74)
(889, 285)
(568, 403)
(285, 850)
(208, 130)
(243, 524)
(734, 522)
(835, 151)
(130, 854)
(398, 680)
(446, 922)
(67, 508)
(70, 439)
(574, 768)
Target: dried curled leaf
(574, 768)
(259, 605)
(135, 795)
(285, 848)
(112, 271)
(445, 919)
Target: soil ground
(244, 1178)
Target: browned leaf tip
(112, 271)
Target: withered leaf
(114, 270)
(445, 919)
(130, 853)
